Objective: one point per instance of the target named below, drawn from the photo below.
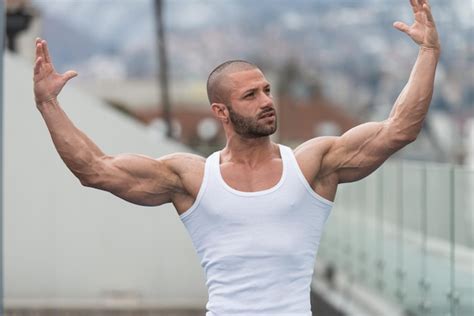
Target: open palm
(423, 30)
(47, 82)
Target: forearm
(413, 102)
(76, 150)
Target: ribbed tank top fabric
(257, 249)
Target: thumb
(68, 75)
(401, 26)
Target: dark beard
(250, 127)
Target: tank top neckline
(217, 169)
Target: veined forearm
(76, 150)
(413, 102)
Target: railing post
(380, 263)
(425, 303)
(399, 271)
(452, 296)
(362, 255)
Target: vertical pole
(165, 99)
(424, 283)
(2, 47)
(399, 271)
(380, 264)
(453, 299)
(349, 250)
(362, 231)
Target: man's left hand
(423, 30)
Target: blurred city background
(400, 242)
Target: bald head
(217, 90)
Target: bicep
(135, 178)
(361, 150)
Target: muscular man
(254, 210)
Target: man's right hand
(47, 82)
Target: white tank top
(257, 249)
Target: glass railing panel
(462, 296)
(332, 240)
(413, 279)
(393, 230)
(361, 240)
(464, 216)
(406, 233)
(438, 264)
(374, 246)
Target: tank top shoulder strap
(295, 173)
(289, 158)
(209, 175)
(286, 153)
(212, 165)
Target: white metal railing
(406, 232)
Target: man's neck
(249, 151)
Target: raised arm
(361, 150)
(135, 178)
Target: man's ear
(220, 112)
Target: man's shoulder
(311, 156)
(182, 156)
(315, 147)
(183, 162)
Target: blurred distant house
(299, 120)
(303, 113)
(193, 126)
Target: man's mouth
(267, 114)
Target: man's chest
(247, 179)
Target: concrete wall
(67, 244)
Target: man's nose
(267, 100)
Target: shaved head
(217, 91)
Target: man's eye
(249, 94)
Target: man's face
(250, 107)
